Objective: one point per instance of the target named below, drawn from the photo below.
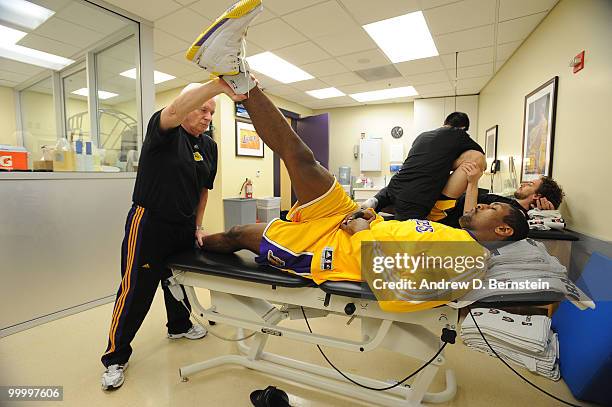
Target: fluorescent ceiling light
(23, 13)
(102, 94)
(277, 68)
(403, 38)
(9, 36)
(158, 77)
(384, 94)
(325, 93)
(9, 49)
(34, 57)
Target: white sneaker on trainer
(219, 48)
(113, 377)
(195, 332)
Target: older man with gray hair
(177, 168)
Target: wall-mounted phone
(495, 166)
(356, 151)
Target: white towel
(526, 341)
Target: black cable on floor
(363, 385)
(515, 372)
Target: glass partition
(38, 117)
(75, 106)
(117, 103)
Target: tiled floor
(67, 351)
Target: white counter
(361, 194)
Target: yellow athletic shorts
(438, 212)
(297, 244)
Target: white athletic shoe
(113, 377)
(219, 48)
(195, 332)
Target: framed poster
(491, 144)
(539, 131)
(241, 111)
(248, 142)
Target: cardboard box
(43, 165)
(13, 158)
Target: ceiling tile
(346, 42)
(332, 102)
(264, 16)
(426, 78)
(13, 76)
(323, 68)
(166, 44)
(438, 94)
(211, 9)
(274, 34)
(175, 68)
(67, 32)
(468, 58)
(418, 66)
(19, 67)
(201, 76)
(303, 53)
(460, 16)
(510, 9)
(183, 24)
(7, 83)
(48, 45)
(364, 60)
(504, 51)
(281, 7)
(310, 84)
(92, 17)
(346, 78)
(434, 87)
(376, 85)
(281, 90)
(298, 96)
(148, 9)
(266, 81)
(427, 4)
(472, 71)
(55, 5)
(171, 84)
(321, 20)
(252, 49)
(365, 12)
(473, 83)
(518, 29)
(465, 40)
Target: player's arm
(174, 114)
(473, 173)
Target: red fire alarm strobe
(578, 62)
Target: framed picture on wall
(539, 131)
(491, 145)
(248, 143)
(241, 111)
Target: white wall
(583, 144)
(7, 116)
(347, 123)
(430, 113)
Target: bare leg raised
(309, 179)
